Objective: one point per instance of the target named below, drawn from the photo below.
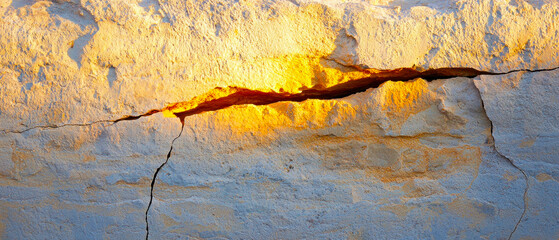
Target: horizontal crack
(125, 118)
(231, 96)
(241, 96)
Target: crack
(418, 68)
(526, 70)
(241, 96)
(230, 96)
(124, 118)
(494, 145)
(155, 178)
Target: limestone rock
(524, 109)
(113, 58)
(85, 148)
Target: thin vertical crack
(525, 195)
(155, 177)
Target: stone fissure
(494, 145)
(241, 96)
(125, 118)
(155, 178)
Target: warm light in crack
(302, 74)
(398, 95)
(215, 93)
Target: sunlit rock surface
(441, 159)
(367, 166)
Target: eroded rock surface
(86, 87)
(364, 166)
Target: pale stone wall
(440, 159)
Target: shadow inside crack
(231, 96)
(220, 98)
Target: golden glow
(185, 106)
(301, 72)
(397, 96)
(317, 73)
(331, 82)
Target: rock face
(182, 119)
(524, 110)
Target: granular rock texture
(305, 119)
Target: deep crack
(240, 96)
(494, 145)
(155, 178)
(247, 96)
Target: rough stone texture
(408, 160)
(345, 168)
(81, 182)
(112, 58)
(524, 109)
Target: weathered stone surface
(524, 109)
(341, 169)
(79, 182)
(407, 160)
(112, 58)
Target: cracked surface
(525, 195)
(398, 176)
(526, 136)
(155, 178)
(180, 180)
(223, 98)
(288, 125)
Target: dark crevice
(242, 96)
(155, 178)
(247, 96)
(494, 145)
